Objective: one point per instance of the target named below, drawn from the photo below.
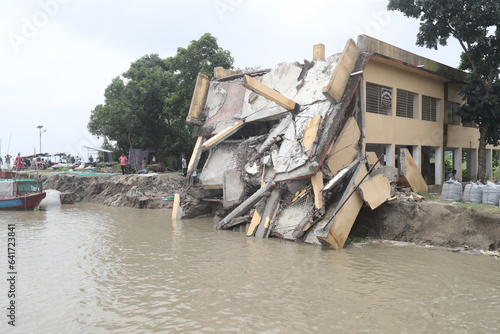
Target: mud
(431, 223)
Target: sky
(58, 56)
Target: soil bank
(427, 222)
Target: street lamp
(40, 130)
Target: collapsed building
(285, 150)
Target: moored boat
(24, 202)
(20, 194)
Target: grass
(466, 231)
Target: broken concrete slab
(343, 70)
(234, 188)
(198, 100)
(245, 206)
(409, 173)
(336, 231)
(345, 149)
(375, 191)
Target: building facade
(412, 102)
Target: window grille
(430, 109)
(406, 104)
(378, 99)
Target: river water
(93, 269)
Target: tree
(147, 106)
(476, 26)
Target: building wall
(401, 130)
(391, 131)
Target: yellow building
(411, 102)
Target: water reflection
(93, 269)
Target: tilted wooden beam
(269, 93)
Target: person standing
(452, 176)
(144, 163)
(19, 162)
(123, 163)
(7, 161)
(184, 165)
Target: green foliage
(147, 106)
(476, 26)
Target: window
(406, 104)
(430, 109)
(378, 99)
(451, 116)
(471, 124)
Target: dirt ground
(432, 223)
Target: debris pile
(285, 147)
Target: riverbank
(451, 225)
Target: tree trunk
(481, 153)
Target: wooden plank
(375, 191)
(222, 135)
(317, 184)
(269, 93)
(198, 99)
(342, 71)
(311, 134)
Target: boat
(7, 175)
(16, 194)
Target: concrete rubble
(285, 148)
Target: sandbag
(491, 193)
(451, 191)
(473, 193)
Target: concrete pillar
(474, 164)
(457, 162)
(416, 153)
(390, 152)
(489, 167)
(319, 52)
(439, 166)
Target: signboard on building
(386, 97)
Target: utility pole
(40, 130)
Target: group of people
(18, 162)
(123, 160)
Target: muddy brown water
(95, 269)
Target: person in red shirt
(19, 162)
(123, 163)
